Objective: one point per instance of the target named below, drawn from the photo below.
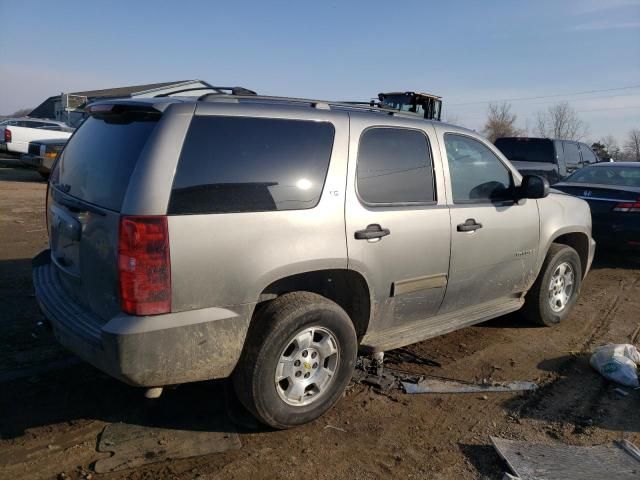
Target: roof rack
(216, 91)
(313, 103)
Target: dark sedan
(613, 193)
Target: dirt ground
(53, 407)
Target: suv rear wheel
(298, 359)
(556, 289)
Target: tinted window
(99, 159)
(527, 149)
(239, 164)
(571, 154)
(609, 175)
(477, 174)
(587, 155)
(394, 166)
(50, 126)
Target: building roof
(126, 91)
(47, 108)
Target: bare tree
(609, 141)
(632, 145)
(501, 122)
(561, 121)
(23, 112)
(612, 147)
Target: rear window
(527, 149)
(98, 160)
(607, 175)
(241, 164)
(50, 126)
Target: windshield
(98, 160)
(527, 149)
(609, 175)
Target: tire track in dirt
(565, 398)
(602, 326)
(602, 319)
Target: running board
(403, 335)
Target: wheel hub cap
(561, 287)
(307, 366)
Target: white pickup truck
(16, 133)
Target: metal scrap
(382, 379)
(531, 461)
(437, 385)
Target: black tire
(272, 330)
(537, 307)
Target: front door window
(477, 174)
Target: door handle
(469, 225)
(372, 231)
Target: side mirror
(534, 186)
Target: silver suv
(271, 239)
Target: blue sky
(467, 51)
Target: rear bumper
(158, 350)
(31, 160)
(619, 233)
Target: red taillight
(628, 206)
(144, 266)
(7, 135)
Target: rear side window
(241, 164)
(98, 160)
(571, 154)
(394, 166)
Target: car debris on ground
(618, 363)
(531, 461)
(437, 385)
(372, 371)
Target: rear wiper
(79, 206)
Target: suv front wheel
(298, 358)
(557, 287)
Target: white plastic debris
(618, 363)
